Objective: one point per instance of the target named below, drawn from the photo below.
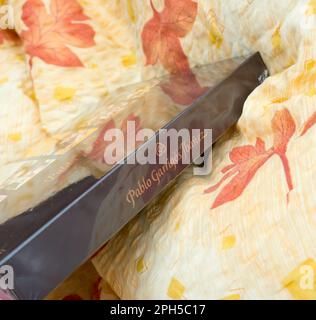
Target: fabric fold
(247, 231)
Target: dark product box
(82, 200)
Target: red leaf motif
(247, 160)
(309, 124)
(96, 290)
(183, 89)
(99, 144)
(180, 15)
(161, 34)
(49, 34)
(283, 127)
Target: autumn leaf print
(99, 144)
(247, 160)
(309, 124)
(161, 43)
(96, 290)
(183, 89)
(161, 34)
(51, 34)
(283, 127)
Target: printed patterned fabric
(22, 138)
(172, 34)
(84, 284)
(78, 53)
(19, 136)
(62, 76)
(59, 69)
(249, 227)
(246, 231)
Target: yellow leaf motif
(140, 265)
(64, 93)
(176, 289)
(31, 94)
(311, 10)
(301, 281)
(129, 60)
(277, 39)
(216, 31)
(309, 65)
(312, 92)
(131, 11)
(20, 57)
(93, 66)
(15, 137)
(228, 242)
(4, 80)
(216, 37)
(280, 100)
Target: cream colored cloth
(74, 54)
(74, 75)
(79, 51)
(20, 136)
(247, 231)
(26, 165)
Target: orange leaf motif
(183, 89)
(50, 33)
(161, 34)
(309, 124)
(247, 160)
(283, 127)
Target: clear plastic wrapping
(59, 208)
